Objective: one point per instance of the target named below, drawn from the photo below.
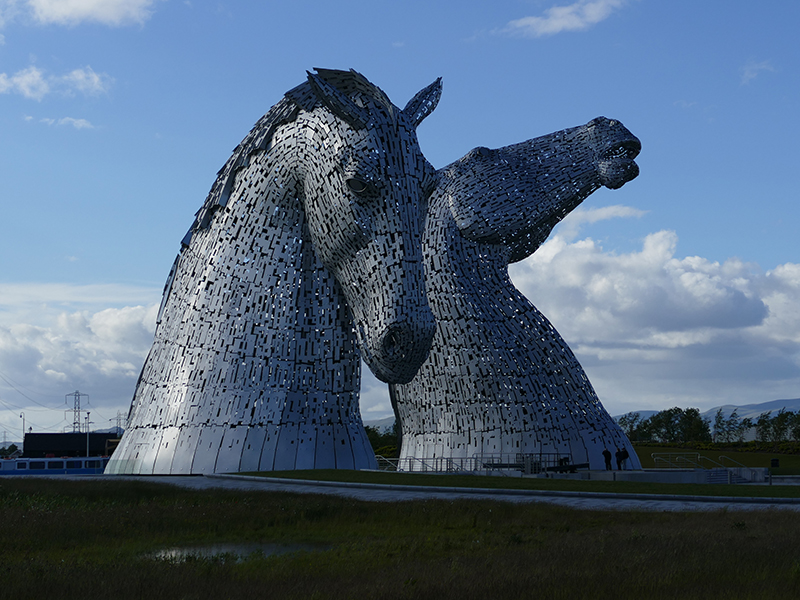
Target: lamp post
(87, 433)
(22, 416)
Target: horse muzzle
(396, 352)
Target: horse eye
(357, 185)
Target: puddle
(238, 552)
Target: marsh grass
(84, 539)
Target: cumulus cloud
(578, 16)
(572, 224)
(48, 349)
(86, 81)
(76, 123)
(654, 330)
(752, 69)
(30, 83)
(35, 84)
(9, 9)
(107, 12)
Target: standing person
(607, 457)
(618, 456)
(624, 455)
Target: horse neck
(260, 247)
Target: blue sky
(680, 289)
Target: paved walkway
(395, 493)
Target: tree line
(676, 425)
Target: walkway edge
(511, 492)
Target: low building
(44, 445)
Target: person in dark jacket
(607, 457)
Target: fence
(725, 470)
(529, 464)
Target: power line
(21, 393)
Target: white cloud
(572, 223)
(97, 353)
(654, 331)
(9, 9)
(752, 69)
(578, 16)
(76, 123)
(107, 12)
(39, 303)
(34, 84)
(29, 83)
(86, 81)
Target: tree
(384, 443)
(794, 426)
(663, 426)
(743, 427)
(692, 427)
(776, 428)
(720, 426)
(630, 423)
(780, 425)
(8, 451)
(765, 427)
(676, 425)
(731, 429)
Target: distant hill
(382, 425)
(743, 411)
(746, 410)
(754, 410)
(644, 414)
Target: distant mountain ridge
(743, 411)
(754, 410)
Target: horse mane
(350, 83)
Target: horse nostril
(393, 343)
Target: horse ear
(421, 105)
(338, 103)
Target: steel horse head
(499, 379)
(307, 250)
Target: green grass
(89, 539)
(535, 483)
(789, 463)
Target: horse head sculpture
(499, 379)
(366, 227)
(515, 195)
(307, 248)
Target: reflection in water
(239, 552)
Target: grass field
(87, 539)
(789, 463)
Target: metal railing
(502, 463)
(751, 474)
(683, 460)
(738, 473)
